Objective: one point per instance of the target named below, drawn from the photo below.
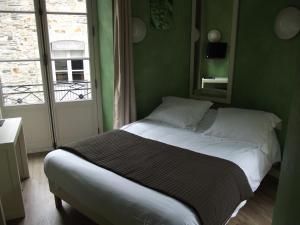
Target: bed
(110, 199)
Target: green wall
(288, 198)
(223, 23)
(265, 66)
(264, 70)
(161, 60)
(105, 23)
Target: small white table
(13, 167)
(217, 80)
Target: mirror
(213, 41)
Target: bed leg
(58, 202)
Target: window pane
(21, 83)
(18, 36)
(61, 65)
(77, 64)
(66, 6)
(78, 75)
(77, 88)
(16, 5)
(68, 33)
(62, 76)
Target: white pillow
(244, 125)
(180, 112)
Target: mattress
(121, 201)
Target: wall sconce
(139, 30)
(214, 36)
(287, 24)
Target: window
(65, 68)
(22, 68)
(77, 70)
(20, 63)
(77, 65)
(70, 69)
(61, 70)
(61, 65)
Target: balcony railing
(64, 91)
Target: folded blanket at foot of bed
(211, 186)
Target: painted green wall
(265, 66)
(105, 23)
(161, 60)
(288, 198)
(264, 70)
(222, 22)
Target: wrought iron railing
(72, 90)
(22, 94)
(64, 91)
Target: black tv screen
(216, 50)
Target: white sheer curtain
(124, 92)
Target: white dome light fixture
(139, 30)
(287, 24)
(214, 36)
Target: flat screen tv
(216, 50)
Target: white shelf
(217, 80)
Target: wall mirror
(213, 41)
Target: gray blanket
(211, 186)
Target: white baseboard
(39, 150)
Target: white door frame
(94, 52)
(44, 70)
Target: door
(69, 44)
(62, 103)
(22, 74)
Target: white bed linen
(121, 201)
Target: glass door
(47, 70)
(23, 87)
(68, 32)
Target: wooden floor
(40, 206)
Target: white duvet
(123, 202)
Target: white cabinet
(13, 167)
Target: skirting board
(39, 150)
